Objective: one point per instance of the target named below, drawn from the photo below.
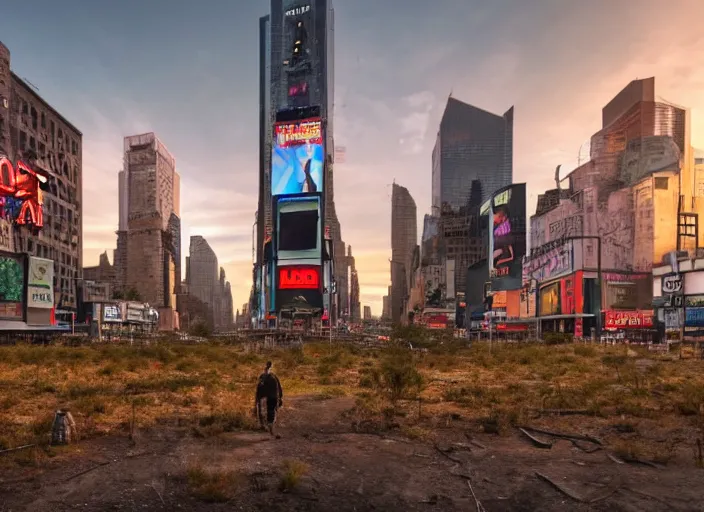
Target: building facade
(404, 238)
(147, 258)
(367, 313)
(472, 144)
(296, 54)
(472, 158)
(354, 307)
(637, 199)
(33, 131)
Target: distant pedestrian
(269, 398)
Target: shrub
(293, 471)
(213, 485)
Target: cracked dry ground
(347, 471)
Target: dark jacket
(269, 387)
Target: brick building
(32, 130)
(147, 258)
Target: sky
(189, 73)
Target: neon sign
(294, 134)
(299, 278)
(20, 184)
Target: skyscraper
(296, 55)
(472, 158)
(404, 238)
(147, 258)
(472, 144)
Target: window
(25, 107)
(23, 140)
(43, 120)
(35, 118)
(661, 183)
(298, 231)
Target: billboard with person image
(507, 236)
(298, 157)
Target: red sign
(628, 319)
(511, 327)
(298, 133)
(299, 278)
(22, 183)
(567, 302)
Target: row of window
(40, 120)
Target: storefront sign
(671, 284)
(299, 278)
(628, 319)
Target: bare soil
(348, 471)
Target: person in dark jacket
(269, 396)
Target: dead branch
(87, 470)
(614, 458)
(576, 444)
(16, 449)
(564, 490)
(537, 442)
(453, 459)
(587, 438)
(477, 503)
(158, 494)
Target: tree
(118, 295)
(200, 329)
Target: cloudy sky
(189, 72)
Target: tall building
(147, 258)
(33, 131)
(207, 286)
(404, 238)
(296, 69)
(367, 313)
(636, 200)
(472, 144)
(472, 158)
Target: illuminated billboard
(21, 197)
(299, 277)
(507, 236)
(298, 157)
(12, 286)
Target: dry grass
(213, 386)
(214, 485)
(293, 471)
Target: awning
(567, 317)
(10, 325)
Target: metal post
(599, 284)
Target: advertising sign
(22, 196)
(135, 313)
(12, 291)
(40, 283)
(550, 300)
(299, 277)
(298, 156)
(112, 313)
(549, 261)
(507, 239)
(628, 320)
(671, 283)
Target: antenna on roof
(31, 84)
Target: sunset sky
(189, 72)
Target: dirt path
(347, 472)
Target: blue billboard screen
(297, 157)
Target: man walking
(269, 398)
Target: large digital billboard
(298, 157)
(12, 286)
(507, 237)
